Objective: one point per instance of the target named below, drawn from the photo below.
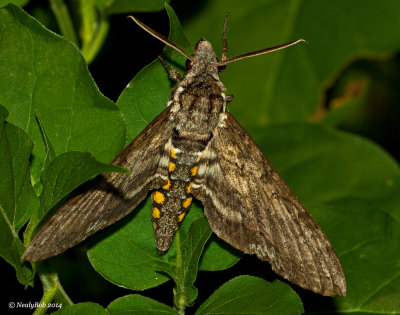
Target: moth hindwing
(196, 149)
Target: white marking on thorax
(176, 106)
(222, 117)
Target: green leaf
(218, 255)
(188, 255)
(135, 263)
(17, 198)
(82, 308)
(251, 295)
(148, 92)
(20, 3)
(128, 6)
(42, 73)
(144, 97)
(138, 304)
(286, 85)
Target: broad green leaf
(286, 85)
(218, 255)
(20, 3)
(17, 198)
(139, 304)
(129, 6)
(42, 73)
(188, 255)
(251, 295)
(82, 308)
(148, 92)
(144, 98)
(126, 254)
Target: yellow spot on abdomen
(181, 216)
(171, 167)
(159, 197)
(167, 186)
(172, 153)
(189, 187)
(187, 202)
(194, 170)
(156, 213)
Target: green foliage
(250, 295)
(350, 185)
(288, 88)
(45, 74)
(17, 198)
(82, 308)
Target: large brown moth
(195, 148)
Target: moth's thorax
(199, 99)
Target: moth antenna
(225, 47)
(161, 38)
(260, 52)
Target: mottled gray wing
(110, 196)
(249, 205)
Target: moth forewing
(195, 148)
(110, 197)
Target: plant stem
(61, 13)
(52, 289)
(179, 297)
(90, 51)
(94, 29)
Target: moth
(196, 149)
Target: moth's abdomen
(172, 200)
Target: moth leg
(173, 74)
(229, 98)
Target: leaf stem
(94, 29)
(52, 290)
(179, 297)
(64, 20)
(90, 52)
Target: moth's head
(204, 58)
